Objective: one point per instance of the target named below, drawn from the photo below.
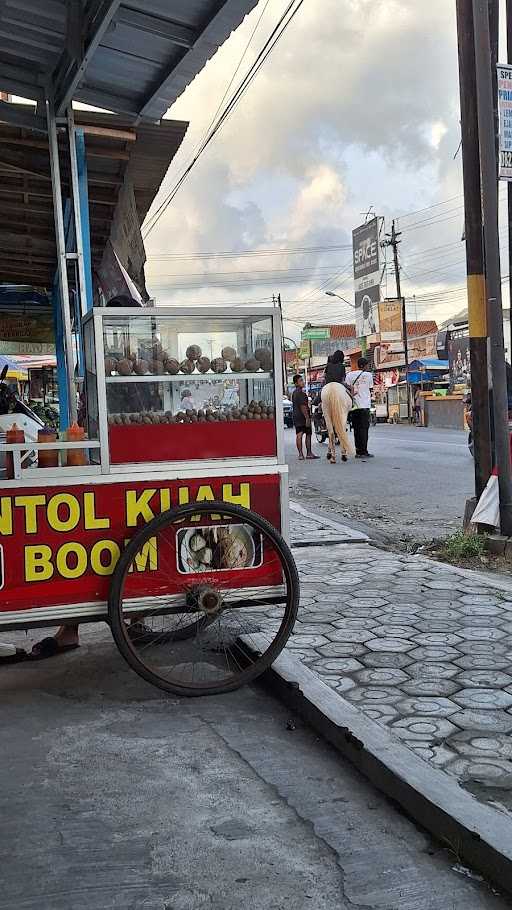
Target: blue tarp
(427, 369)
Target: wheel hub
(210, 601)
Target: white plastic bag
(487, 511)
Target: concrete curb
(479, 836)
(349, 535)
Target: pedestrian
(361, 383)
(417, 407)
(302, 418)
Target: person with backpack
(361, 384)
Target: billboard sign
(366, 261)
(459, 357)
(316, 332)
(391, 320)
(505, 116)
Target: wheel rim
(223, 599)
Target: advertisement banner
(367, 311)
(367, 273)
(391, 321)
(389, 354)
(423, 346)
(459, 357)
(19, 328)
(61, 545)
(316, 332)
(505, 116)
(305, 350)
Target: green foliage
(463, 546)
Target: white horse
(336, 404)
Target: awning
(14, 371)
(133, 58)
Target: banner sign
(391, 320)
(316, 332)
(305, 350)
(20, 328)
(60, 545)
(366, 259)
(505, 116)
(459, 357)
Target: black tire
(204, 636)
(320, 437)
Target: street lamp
(333, 294)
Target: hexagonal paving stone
(355, 622)
(486, 721)
(442, 612)
(484, 679)
(341, 649)
(480, 633)
(487, 771)
(496, 648)
(362, 612)
(436, 687)
(477, 598)
(337, 665)
(393, 630)
(437, 653)
(437, 638)
(480, 609)
(423, 729)
(388, 659)
(427, 707)
(370, 602)
(341, 686)
(471, 744)
(378, 695)
(306, 641)
(381, 676)
(429, 670)
(309, 628)
(398, 645)
(318, 617)
(483, 662)
(483, 699)
(439, 756)
(439, 625)
(350, 635)
(383, 714)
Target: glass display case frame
(97, 384)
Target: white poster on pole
(505, 115)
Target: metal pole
(509, 186)
(394, 244)
(487, 136)
(61, 258)
(75, 192)
(477, 303)
(283, 349)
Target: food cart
(169, 519)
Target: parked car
(287, 412)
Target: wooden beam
(107, 132)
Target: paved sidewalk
(420, 648)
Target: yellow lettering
(91, 522)
(30, 504)
(147, 557)
(6, 516)
(64, 552)
(242, 499)
(38, 563)
(100, 547)
(73, 509)
(165, 500)
(138, 504)
(183, 496)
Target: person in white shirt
(361, 383)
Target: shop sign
(61, 545)
(423, 346)
(23, 329)
(316, 332)
(391, 320)
(459, 357)
(389, 354)
(367, 276)
(505, 118)
(305, 350)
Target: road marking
(458, 445)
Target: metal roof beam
(13, 79)
(100, 98)
(98, 21)
(18, 116)
(162, 28)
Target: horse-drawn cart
(169, 519)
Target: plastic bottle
(75, 457)
(15, 434)
(47, 458)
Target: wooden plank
(107, 132)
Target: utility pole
(509, 185)
(488, 164)
(393, 242)
(283, 349)
(477, 303)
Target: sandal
(49, 647)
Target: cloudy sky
(357, 107)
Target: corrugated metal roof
(131, 58)
(116, 151)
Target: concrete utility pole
(393, 242)
(477, 303)
(509, 184)
(488, 164)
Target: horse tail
(339, 401)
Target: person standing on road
(302, 418)
(361, 383)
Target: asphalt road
(415, 487)
(115, 797)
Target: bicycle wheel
(216, 600)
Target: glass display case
(178, 385)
